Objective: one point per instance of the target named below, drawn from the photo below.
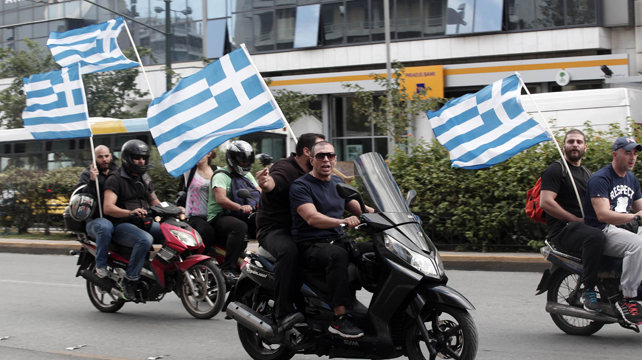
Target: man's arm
(354, 208)
(316, 219)
(637, 206)
(548, 204)
(604, 213)
(266, 182)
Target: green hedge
(483, 210)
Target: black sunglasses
(320, 156)
(138, 157)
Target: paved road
(44, 309)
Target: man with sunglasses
(274, 225)
(316, 219)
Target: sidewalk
(452, 260)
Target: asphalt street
(46, 314)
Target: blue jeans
(101, 230)
(141, 241)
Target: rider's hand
(263, 178)
(93, 172)
(246, 209)
(352, 222)
(138, 212)
(182, 209)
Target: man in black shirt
(274, 221)
(566, 228)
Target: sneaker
(102, 272)
(129, 289)
(343, 326)
(589, 299)
(629, 310)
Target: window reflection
(285, 25)
(263, 30)
(378, 21)
(358, 21)
(580, 12)
(408, 19)
(549, 13)
(333, 23)
(434, 17)
(307, 26)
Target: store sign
(562, 78)
(425, 78)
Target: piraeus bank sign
(425, 78)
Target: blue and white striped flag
(95, 47)
(483, 129)
(56, 105)
(226, 99)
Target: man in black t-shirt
(566, 228)
(317, 209)
(274, 223)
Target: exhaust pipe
(101, 283)
(559, 309)
(249, 318)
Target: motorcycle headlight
(185, 238)
(421, 262)
(199, 238)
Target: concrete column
(638, 37)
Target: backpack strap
(184, 185)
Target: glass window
(434, 20)
(19, 148)
(459, 18)
(262, 4)
(194, 10)
(241, 5)
(25, 15)
(25, 31)
(216, 9)
(284, 2)
(307, 26)
(41, 30)
(358, 21)
(264, 33)
(549, 13)
(408, 19)
(520, 14)
(285, 25)
(580, 12)
(350, 149)
(377, 24)
(215, 38)
(241, 28)
(333, 23)
(488, 15)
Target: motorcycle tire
(255, 346)
(562, 285)
(210, 286)
(453, 330)
(102, 300)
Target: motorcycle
(412, 311)
(178, 266)
(562, 281)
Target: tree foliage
(394, 110)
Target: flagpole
(138, 57)
(577, 194)
(93, 157)
(287, 125)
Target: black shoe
(288, 321)
(230, 278)
(629, 310)
(589, 299)
(343, 326)
(129, 289)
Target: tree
(294, 104)
(109, 94)
(393, 110)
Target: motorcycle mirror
(411, 197)
(346, 191)
(244, 194)
(182, 195)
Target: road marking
(40, 283)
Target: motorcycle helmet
(240, 157)
(135, 148)
(82, 206)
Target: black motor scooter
(412, 312)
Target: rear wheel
(452, 333)
(255, 346)
(566, 289)
(209, 295)
(102, 300)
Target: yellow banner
(428, 78)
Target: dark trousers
(204, 228)
(334, 261)
(589, 241)
(231, 235)
(279, 243)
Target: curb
(519, 262)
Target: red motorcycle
(178, 266)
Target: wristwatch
(636, 218)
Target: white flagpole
(93, 157)
(577, 194)
(287, 125)
(138, 57)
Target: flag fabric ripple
(56, 105)
(95, 47)
(225, 99)
(483, 129)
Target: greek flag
(95, 47)
(483, 129)
(56, 105)
(226, 99)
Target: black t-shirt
(85, 179)
(123, 185)
(553, 179)
(323, 195)
(274, 206)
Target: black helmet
(240, 157)
(135, 147)
(82, 206)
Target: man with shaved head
(98, 227)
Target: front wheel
(452, 333)
(255, 346)
(102, 300)
(209, 285)
(566, 289)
